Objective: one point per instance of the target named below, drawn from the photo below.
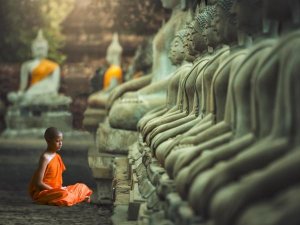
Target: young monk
(46, 184)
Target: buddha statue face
(191, 33)
(198, 38)
(39, 47)
(170, 4)
(177, 53)
(114, 51)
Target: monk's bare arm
(40, 173)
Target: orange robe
(43, 70)
(57, 196)
(113, 72)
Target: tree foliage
(133, 16)
(21, 19)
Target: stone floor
(18, 160)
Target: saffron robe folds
(43, 70)
(113, 72)
(57, 196)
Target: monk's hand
(64, 187)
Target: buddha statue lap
(282, 208)
(126, 112)
(274, 137)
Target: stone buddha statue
(205, 103)
(277, 150)
(37, 104)
(191, 91)
(230, 117)
(113, 76)
(273, 135)
(39, 76)
(222, 85)
(178, 56)
(126, 112)
(178, 113)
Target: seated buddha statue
(178, 57)
(271, 121)
(126, 112)
(277, 148)
(178, 115)
(191, 91)
(229, 123)
(38, 77)
(205, 100)
(112, 76)
(223, 83)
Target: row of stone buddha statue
(218, 136)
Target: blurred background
(78, 33)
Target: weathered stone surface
(114, 140)
(92, 118)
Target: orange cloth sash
(113, 72)
(43, 70)
(57, 196)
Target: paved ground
(18, 160)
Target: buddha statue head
(171, 4)
(39, 46)
(114, 51)
(249, 15)
(227, 23)
(212, 27)
(177, 51)
(197, 37)
(282, 11)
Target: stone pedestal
(114, 141)
(92, 118)
(30, 119)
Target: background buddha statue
(38, 104)
(39, 76)
(112, 76)
(126, 112)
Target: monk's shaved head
(51, 133)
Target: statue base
(31, 119)
(114, 141)
(92, 118)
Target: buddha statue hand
(132, 85)
(15, 97)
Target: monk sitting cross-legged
(46, 184)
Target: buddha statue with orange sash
(113, 76)
(39, 76)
